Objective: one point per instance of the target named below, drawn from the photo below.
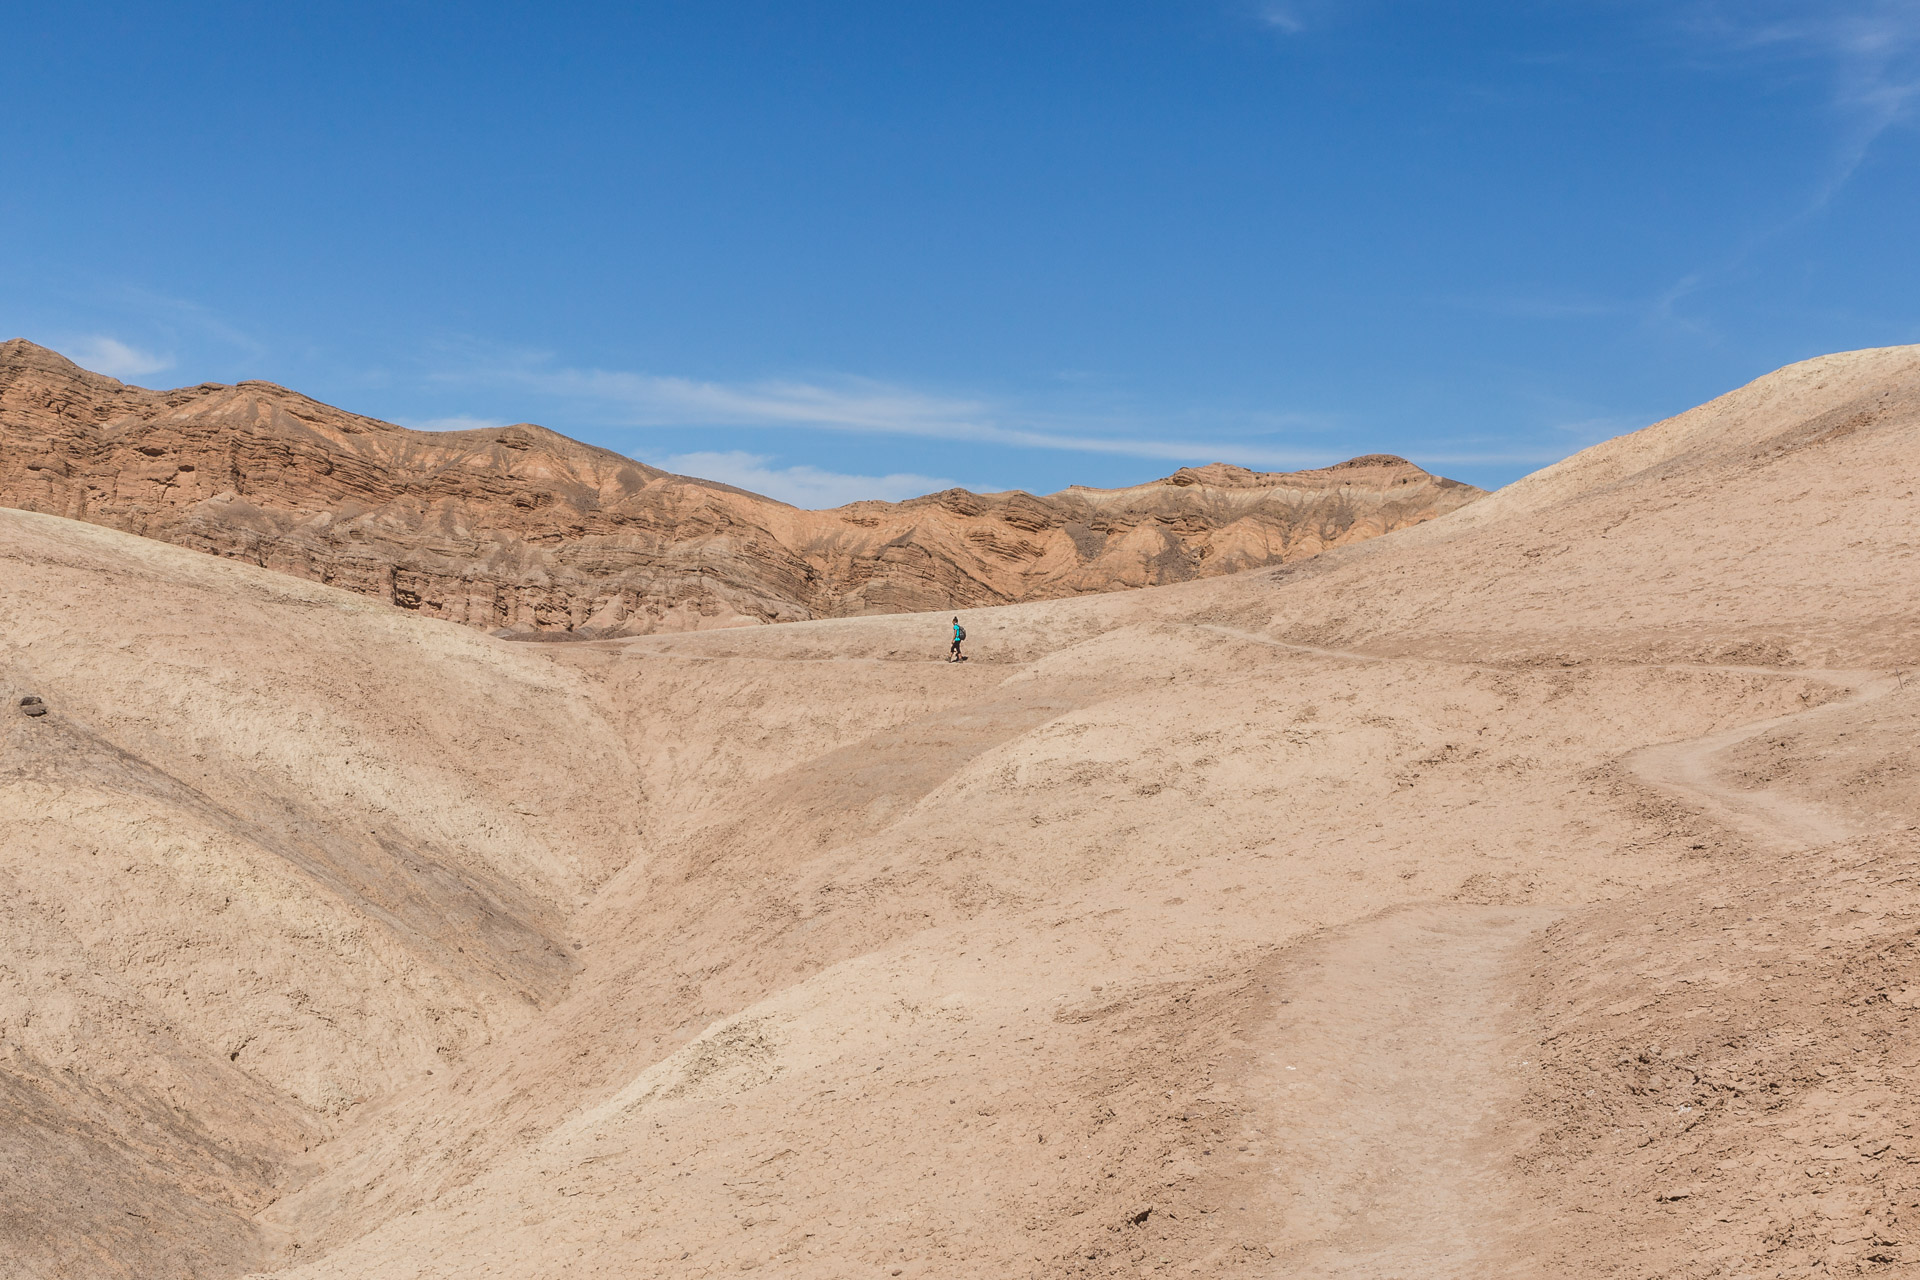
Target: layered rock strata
(521, 528)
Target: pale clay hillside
(1531, 892)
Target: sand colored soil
(1532, 892)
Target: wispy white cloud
(113, 357)
(1532, 459)
(865, 405)
(1870, 47)
(1296, 17)
(800, 486)
(1662, 311)
(1869, 50)
(175, 315)
(458, 422)
(1586, 431)
(1282, 18)
(1527, 306)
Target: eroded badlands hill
(1532, 893)
(519, 527)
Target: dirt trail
(1772, 817)
(1385, 1084)
(1388, 1080)
(1685, 767)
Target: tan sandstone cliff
(519, 527)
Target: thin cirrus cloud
(1872, 47)
(1871, 51)
(458, 422)
(1536, 306)
(813, 488)
(865, 405)
(183, 316)
(114, 358)
(1293, 17)
(800, 486)
(1282, 18)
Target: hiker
(959, 634)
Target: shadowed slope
(273, 851)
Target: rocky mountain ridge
(520, 528)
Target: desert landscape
(1531, 890)
(520, 530)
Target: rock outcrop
(521, 528)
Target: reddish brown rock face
(520, 527)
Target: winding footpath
(1388, 1075)
(1685, 768)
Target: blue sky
(836, 250)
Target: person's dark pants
(953, 654)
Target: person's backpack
(959, 632)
